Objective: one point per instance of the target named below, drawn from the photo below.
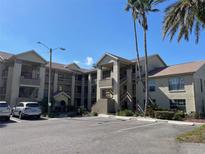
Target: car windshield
(3, 105)
(32, 105)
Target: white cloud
(89, 61)
(76, 61)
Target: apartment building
(113, 85)
(24, 77)
(171, 87)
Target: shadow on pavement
(4, 123)
(34, 119)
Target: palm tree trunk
(137, 50)
(146, 71)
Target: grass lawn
(195, 136)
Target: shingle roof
(59, 66)
(5, 55)
(185, 68)
(64, 67)
(118, 57)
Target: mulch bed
(196, 120)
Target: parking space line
(15, 119)
(107, 123)
(130, 128)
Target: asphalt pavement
(93, 135)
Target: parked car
(5, 110)
(27, 109)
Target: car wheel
(38, 117)
(7, 118)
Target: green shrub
(164, 115)
(193, 115)
(136, 114)
(94, 114)
(82, 111)
(125, 112)
(151, 108)
(179, 115)
(53, 115)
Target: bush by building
(125, 112)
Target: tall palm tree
(183, 16)
(143, 8)
(131, 6)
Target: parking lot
(92, 135)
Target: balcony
(65, 81)
(106, 82)
(27, 81)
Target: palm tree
(183, 16)
(130, 6)
(142, 8)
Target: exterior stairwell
(125, 95)
(104, 106)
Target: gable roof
(185, 68)
(5, 56)
(30, 51)
(73, 66)
(114, 57)
(59, 66)
(151, 56)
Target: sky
(87, 29)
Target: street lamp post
(50, 70)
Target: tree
(183, 16)
(135, 15)
(141, 8)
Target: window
(151, 85)
(4, 105)
(28, 92)
(178, 104)
(176, 83)
(32, 105)
(201, 84)
(20, 105)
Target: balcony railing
(106, 82)
(65, 81)
(27, 81)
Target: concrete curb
(150, 120)
(123, 118)
(181, 123)
(104, 115)
(146, 119)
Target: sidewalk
(148, 119)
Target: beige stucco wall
(153, 62)
(162, 95)
(1, 70)
(200, 95)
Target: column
(16, 75)
(83, 91)
(116, 84)
(55, 82)
(42, 83)
(73, 90)
(99, 77)
(8, 84)
(89, 91)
